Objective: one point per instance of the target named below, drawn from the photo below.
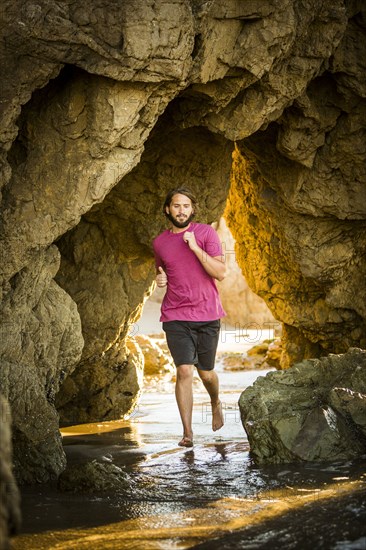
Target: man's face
(180, 211)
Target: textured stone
(41, 345)
(108, 389)
(314, 411)
(93, 477)
(307, 267)
(156, 359)
(83, 130)
(264, 356)
(106, 105)
(244, 309)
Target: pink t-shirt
(191, 293)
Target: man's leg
(184, 397)
(211, 382)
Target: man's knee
(206, 374)
(184, 372)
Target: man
(188, 260)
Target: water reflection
(271, 521)
(119, 441)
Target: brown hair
(181, 191)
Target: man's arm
(213, 265)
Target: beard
(180, 224)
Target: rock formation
(244, 309)
(297, 207)
(314, 411)
(157, 359)
(104, 107)
(41, 345)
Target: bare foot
(217, 416)
(186, 441)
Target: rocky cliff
(106, 105)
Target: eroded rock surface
(94, 476)
(314, 411)
(107, 390)
(298, 211)
(107, 105)
(157, 358)
(42, 346)
(244, 309)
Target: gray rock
(313, 411)
(43, 343)
(93, 477)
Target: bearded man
(189, 259)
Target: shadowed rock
(314, 411)
(93, 477)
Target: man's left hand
(190, 239)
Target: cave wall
(107, 105)
(108, 267)
(302, 230)
(244, 309)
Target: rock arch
(103, 106)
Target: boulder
(265, 355)
(93, 477)
(112, 390)
(313, 411)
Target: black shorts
(193, 342)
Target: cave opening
(142, 97)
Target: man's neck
(175, 229)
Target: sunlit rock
(301, 253)
(242, 306)
(265, 355)
(314, 411)
(156, 359)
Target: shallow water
(211, 495)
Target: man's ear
(167, 209)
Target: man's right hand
(161, 278)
